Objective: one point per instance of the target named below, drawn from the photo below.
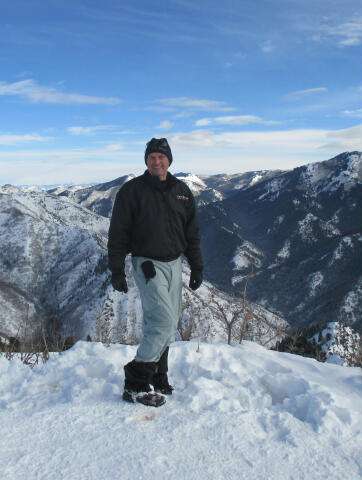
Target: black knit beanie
(159, 145)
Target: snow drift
(237, 412)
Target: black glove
(148, 269)
(119, 282)
(195, 279)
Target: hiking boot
(160, 384)
(160, 379)
(137, 384)
(150, 399)
(137, 375)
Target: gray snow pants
(161, 298)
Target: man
(154, 218)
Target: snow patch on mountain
(255, 180)
(273, 188)
(247, 255)
(351, 309)
(59, 210)
(340, 342)
(315, 281)
(284, 252)
(322, 176)
(64, 188)
(241, 261)
(201, 191)
(192, 180)
(329, 229)
(343, 246)
(308, 227)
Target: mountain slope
(206, 189)
(301, 232)
(51, 251)
(54, 268)
(97, 198)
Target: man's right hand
(119, 282)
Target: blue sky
(234, 85)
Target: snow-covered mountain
(53, 268)
(100, 198)
(301, 233)
(97, 198)
(228, 185)
(52, 258)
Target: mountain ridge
(296, 231)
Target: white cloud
(353, 113)
(194, 103)
(234, 120)
(203, 122)
(165, 125)
(199, 151)
(304, 93)
(114, 147)
(16, 139)
(183, 114)
(298, 141)
(90, 130)
(268, 47)
(29, 90)
(346, 34)
(204, 151)
(75, 166)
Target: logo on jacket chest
(182, 197)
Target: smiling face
(157, 165)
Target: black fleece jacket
(154, 219)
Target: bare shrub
(31, 350)
(226, 313)
(266, 332)
(189, 312)
(126, 333)
(104, 329)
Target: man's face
(157, 165)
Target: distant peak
(8, 188)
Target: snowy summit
(237, 412)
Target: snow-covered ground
(238, 412)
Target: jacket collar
(155, 182)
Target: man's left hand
(195, 279)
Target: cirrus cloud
(234, 120)
(346, 34)
(93, 130)
(165, 125)
(353, 113)
(304, 93)
(34, 93)
(194, 103)
(9, 139)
